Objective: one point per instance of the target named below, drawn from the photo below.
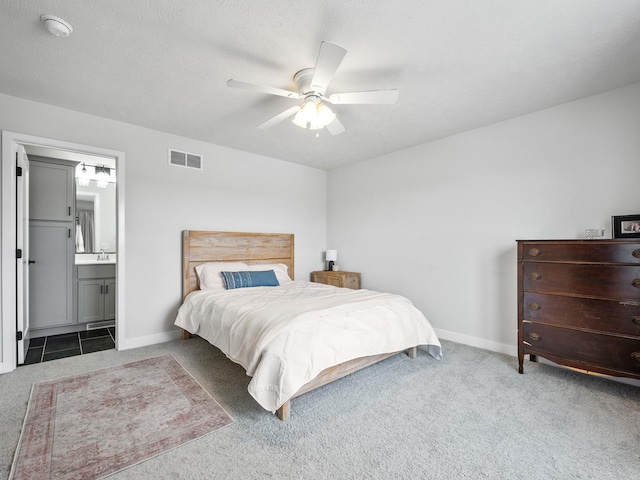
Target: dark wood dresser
(579, 304)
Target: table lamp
(331, 256)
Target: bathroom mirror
(95, 209)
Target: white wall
(236, 191)
(438, 222)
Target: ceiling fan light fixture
(313, 115)
(306, 114)
(325, 114)
(298, 120)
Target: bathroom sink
(92, 258)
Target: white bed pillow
(209, 277)
(280, 269)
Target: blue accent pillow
(250, 279)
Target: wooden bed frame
(200, 247)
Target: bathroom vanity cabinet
(96, 292)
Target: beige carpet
(94, 424)
(467, 416)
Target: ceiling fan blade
(329, 59)
(280, 117)
(335, 127)
(373, 97)
(262, 89)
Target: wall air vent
(184, 159)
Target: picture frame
(625, 226)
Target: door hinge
(19, 335)
(19, 253)
(19, 171)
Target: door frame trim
(10, 140)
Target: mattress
(285, 336)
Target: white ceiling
(459, 64)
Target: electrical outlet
(105, 247)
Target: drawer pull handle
(535, 276)
(534, 252)
(534, 306)
(535, 337)
(636, 356)
(636, 319)
(636, 283)
(636, 253)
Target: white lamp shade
(314, 115)
(325, 115)
(331, 255)
(83, 177)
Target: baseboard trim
(5, 368)
(477, 342)
(136, 342)
(443, 334)
(513, 351)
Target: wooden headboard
(201, 247)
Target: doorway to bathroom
(96, 283)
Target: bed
(347, 330)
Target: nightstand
(337, 279)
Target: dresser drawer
(586, 251)
(621, 282)
(587, 350)
(610, 316)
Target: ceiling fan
(312, 84)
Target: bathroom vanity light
(83, 177)
(103, 174)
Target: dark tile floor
(43, 349)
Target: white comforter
(285, 336)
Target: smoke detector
(56, 25)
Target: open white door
(22, 245)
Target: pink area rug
(91, 425)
